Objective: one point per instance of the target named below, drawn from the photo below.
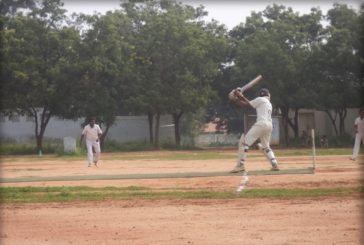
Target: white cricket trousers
(262, 131)
(90, 155)
(358, 139)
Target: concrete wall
(205, 140)
(320, 121)
(126, 128)
(23, 129)
(135, 128)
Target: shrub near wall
(27, 149)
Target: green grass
(308, 151)
(83, 193)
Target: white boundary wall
(126, 128)
(224, 139)
(135, 128)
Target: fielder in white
(262, 129)
(92, 132)
(359, 133)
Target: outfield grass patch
(83, 193)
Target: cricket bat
(251, 84)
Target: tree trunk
(150, 123)
(288, 122)
(39, 139)
(176, 121)
(156, 136)
(333, 121)
(285, 124)
(342, 115)
(39, 131)
(104, 134)
(295, 125)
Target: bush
(334, 142)
(341, 141)
(109, 146)
(169, 145)
(26, 148)
(220, 144)
(80, 151)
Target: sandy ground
(331, 220)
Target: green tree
(196, 55)
(107, 63)
(181, 56)
(277, 43)
(340, 64)
(361, 53)
(38, 55)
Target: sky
(228, 12)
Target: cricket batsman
(262, 129)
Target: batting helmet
(264, 92)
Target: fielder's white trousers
(90, 155)
(358, 139)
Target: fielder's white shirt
(263, 108)
(92, 134)
(360, 125)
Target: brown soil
(329, 220)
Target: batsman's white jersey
(264, 109)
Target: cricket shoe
(352, 158)
(238, 169)
(274, 167)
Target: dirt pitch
(324, 220)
